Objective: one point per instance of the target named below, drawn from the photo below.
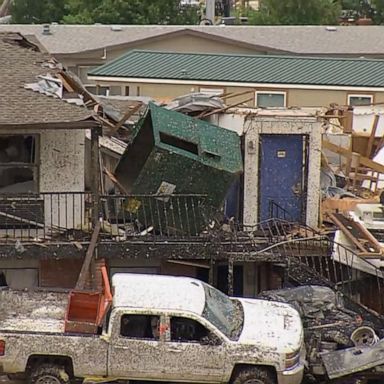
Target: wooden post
(355, 164)
(372, 136)
(230, 276)
(95, 175)
(85, 269)
(211, 271)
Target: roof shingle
(21, 63)
(306, 40)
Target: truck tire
(254, 375)
(49, 374)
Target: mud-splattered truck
(159, 328)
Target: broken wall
(62, 162)
(60, 169)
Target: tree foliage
(378, 16)
(103, 11)
(296, 12)
(37, 11)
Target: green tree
(130, 12)
(296, 12)
(37, 11)
(378, 15)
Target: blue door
(282, 174)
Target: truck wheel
(254, 376)
(49, 374)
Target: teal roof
(246, 68)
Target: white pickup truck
(160, 328)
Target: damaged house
(42, 159)
(175, 225)
(174, 194)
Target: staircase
(315, 258)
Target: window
(18, 164)
(115, 90)
(97, 90)
(270, 99)
(140, 326)
(355, 100)
(212, 91)
(19, 278)
(187, 330)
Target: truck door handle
(175, 350)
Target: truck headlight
(292, 359)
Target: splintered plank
(364, 241)
(88, 257)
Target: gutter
(109, 79)
(86, 124)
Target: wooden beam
(230, 95)
(22, 220)
(347, 232)
(126, 116)
(204, 114)
(115, 181)
(67, 86)
(346, 153)
(88, 258)
(372, 136)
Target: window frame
(124, 337)
(199, 319)
(360, 95)
(284, 93)
(211, 91)
(34, 166)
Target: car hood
(271, 324)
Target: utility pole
(210, 10)
(5, 7)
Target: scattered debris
(196, 103)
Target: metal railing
(63, 216)
(154, 216)
(314, 258)
(45, 216)
(276, 211)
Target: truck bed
(32, 311)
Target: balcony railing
(68, 216)
(181, 216)
(45, 216)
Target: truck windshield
(225, 313)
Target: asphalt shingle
(21, 63)
(306, 40)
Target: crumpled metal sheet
(352, 360)
(52, 86)
(195, 102)
(325, 313)
(310, 300)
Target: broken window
(187, 330)
(18, 164)
(140, 326)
